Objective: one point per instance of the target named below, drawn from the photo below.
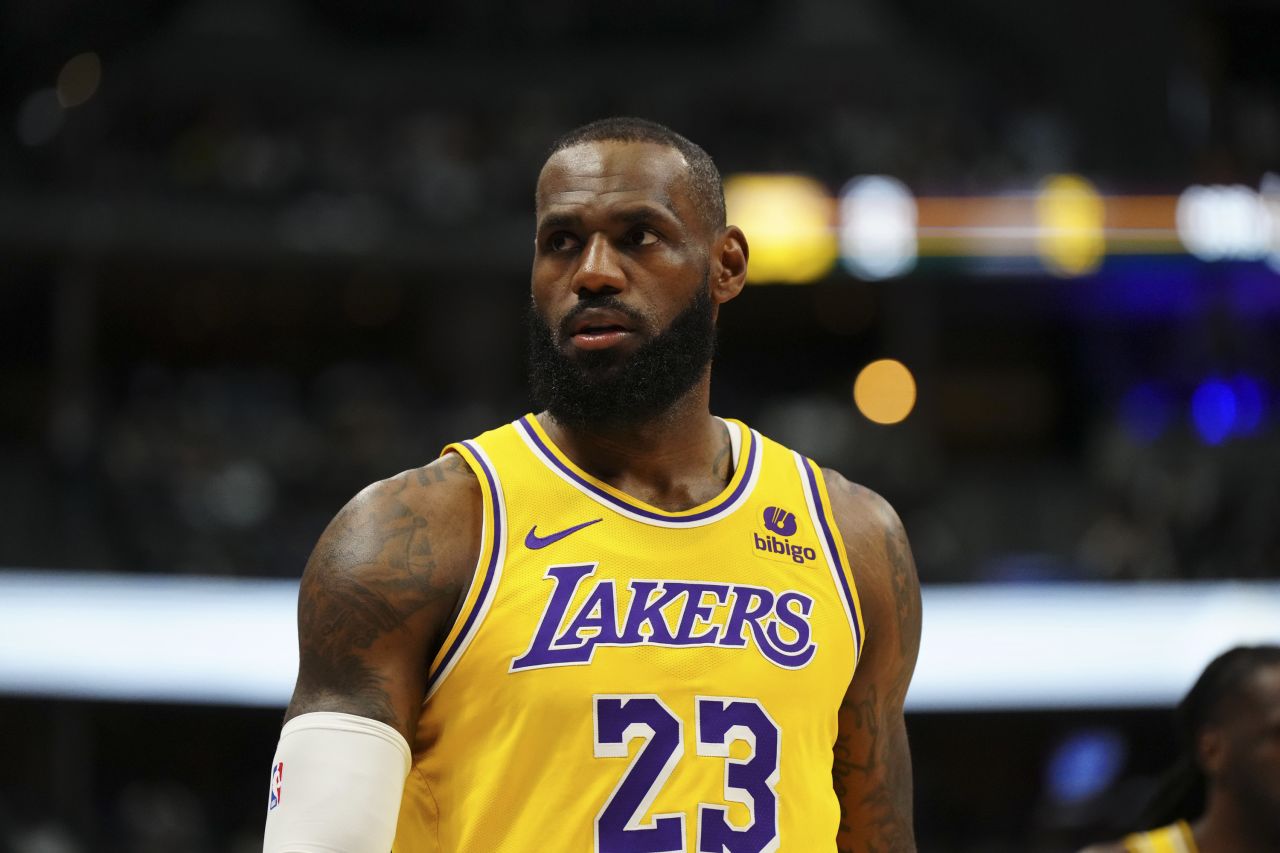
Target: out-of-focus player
(622, 624)
(1229, 770)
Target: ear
(729, 265)
(1211, 750)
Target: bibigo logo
(783, 523)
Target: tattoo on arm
(372, 572)
(871, 770)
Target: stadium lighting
(878, 227)
(1070, 216)
(885, 391)
(79, 79)
(1223, 223)
(787, 220)
(233, 642)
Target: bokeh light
(885, 391)
(1085, 764)
(1213, 410)
(1223, 223)
(1070, 215)
(878, 218)
(78, 80)
(787, 220)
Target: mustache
(637, 320)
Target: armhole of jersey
(488, 571)
(1174, 838)
(824, 522)
(1186, 836)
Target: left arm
(872, 763)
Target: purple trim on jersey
(551, 458)
(498, 533)
(835, 553)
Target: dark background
(283, 251)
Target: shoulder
(443, 494)
(443, 486)
(883, 571)
(864, 517)
(874, 538)
(402, 541)
(379, 591)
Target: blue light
(1085, 764)
(1214, 410)
(1146, 410)
(1250, 401)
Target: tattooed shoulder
(379, 589)
(871, 769)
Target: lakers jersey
(626, 678)
(1174, 838)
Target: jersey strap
(819, 502)
(488, 571)
(1174, 838)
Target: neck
(675, 461)
(1227, 827)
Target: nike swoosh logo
(533, 541)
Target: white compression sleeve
(336, 783)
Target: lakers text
(668, 613)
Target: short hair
(1182, 791)
(704, 177)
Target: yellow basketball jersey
(1174, 838)
(624, 678)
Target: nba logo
(277, 783)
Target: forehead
(598, 175)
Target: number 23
(720, 721)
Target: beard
(604, 388)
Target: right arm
(380, 591)
(377, 598)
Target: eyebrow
(631, 214)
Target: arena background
(255, 254)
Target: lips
(599, 321)
(598, 328)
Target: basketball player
(621, 624)
(1229, 772)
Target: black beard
(603, 388)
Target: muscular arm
(872, 767)
(380, 591)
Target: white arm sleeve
(336, 783)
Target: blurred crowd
(235, 471)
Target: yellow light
(1070, 214)
(79, 79)
(885, 391)
(788, 223)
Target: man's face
(622, 319)
(1249, 764)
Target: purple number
(619, 827)
(751, 781)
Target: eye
(561, 241)
(642, 237)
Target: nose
(599, 271)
